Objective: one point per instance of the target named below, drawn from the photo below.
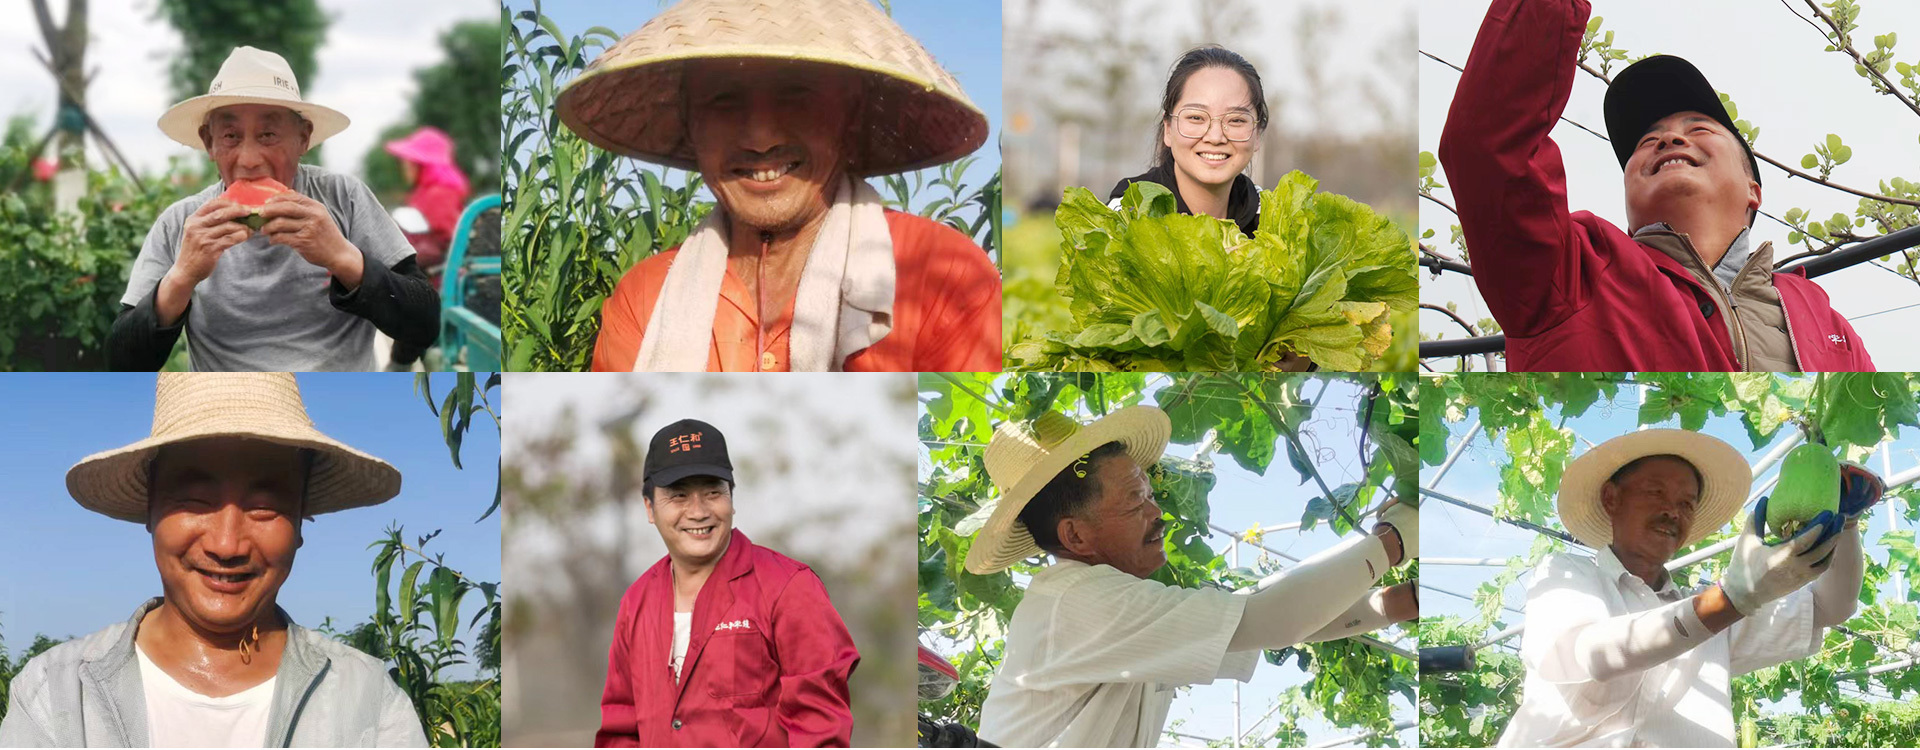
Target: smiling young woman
(1211, 118)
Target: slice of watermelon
(253, 194)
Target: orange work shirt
(946, 311)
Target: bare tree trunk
(66, 50)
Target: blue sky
(89, 571)
(964, 37)
(1239, 500)
(1450, 531)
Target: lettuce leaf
(1152, 289)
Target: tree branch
(1844, 43)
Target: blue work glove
(1860, 490)
(1827, 523)
(1759, 572)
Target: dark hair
(1066, 495)
(1621, 474)
(1196, 60)
(647, 486)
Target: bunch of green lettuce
(1155, 290)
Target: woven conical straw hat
(914, 114)
(1022, 457)
(261, 406)
(1724, 473)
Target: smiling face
(1688, 157)
(695, 519)
(1218, 96)
(250, 141)
(224, 514)
(1652, 506)
(1121, 524)
(770, 137)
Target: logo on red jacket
(733, 625)
(1837, 338)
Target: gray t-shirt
(265, 308)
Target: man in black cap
(1683, 290)
(722, 643)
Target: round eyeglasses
(1194, 123)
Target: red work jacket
(1573, 292)
(767, 660)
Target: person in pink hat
(439, 191)
(439, 194)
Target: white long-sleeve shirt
(1094, 654)
(1611, 662)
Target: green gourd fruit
(1809, 483)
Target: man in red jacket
(1684, 290)
(722, 643)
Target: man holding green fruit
(1096, 649)
(1618, 653)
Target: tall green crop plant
(576, 217)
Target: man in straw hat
(232, 468)
(784, 108)
(723, 643)
(1681, 289)
(1619, 654)
(307, 290)
(1096, 649)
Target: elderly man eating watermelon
(282, 266)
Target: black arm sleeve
(137, 342)
(400, 301)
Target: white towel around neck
(844, 303)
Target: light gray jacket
(86, 693)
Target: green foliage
(459, 95)
(469, 396)
(1154, 290)
(1525, 414)
(1248, 417)
(417, 623)
(65, 274)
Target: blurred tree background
(460, 96)
(826, 476)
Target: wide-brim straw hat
(913, 114)
(1022, 457)
(1725, 480)
(259, 406)
(249, 76)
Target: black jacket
(1243, 203)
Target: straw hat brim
(913, 115)
(1004, 540)
(1725, 480)
(182, 121)
(114, 483)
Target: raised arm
(1506, 174)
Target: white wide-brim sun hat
(249, 76)
(1022, 457)
(258, 406)
(630, 100)
(1725, 480)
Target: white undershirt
(178, 717)
(682, 632)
